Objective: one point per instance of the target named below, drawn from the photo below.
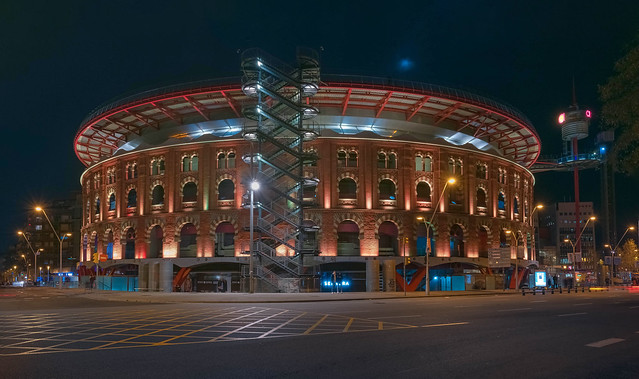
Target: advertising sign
(499, 257)
(540, 279)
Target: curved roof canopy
(348, 105)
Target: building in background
(165, 191)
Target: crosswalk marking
(605, 342)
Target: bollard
(583, 290)
(589, 290)
(568, 289)
(534, 291)
(560, 290)
(552, 291)
(543, 291)
(523, 292)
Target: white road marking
(572, 314)
(606, 342)
(449, 324)
(512, 310)
(539, 301)
(576, 305)
(377, 318)
(633, 307)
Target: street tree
(620, 111)
(629, 255)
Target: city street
(57, 334)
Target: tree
(620, 112)
(629, 255)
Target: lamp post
(574, 245)
(60, 239)
(538, 206)
(35, 256)
(427, 286)
(48, 275)
(612, 272)
(516, 258)
(255, 186)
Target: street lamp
(35, 256)
(60, 239)
(532, 220)
(574, 245)
(427, 286)
(48, 275)
(516, 258)
(255, 186)
(612, 272)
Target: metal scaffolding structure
(282, 113)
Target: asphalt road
(593, 335)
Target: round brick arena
(165, 189)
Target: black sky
(59, 60)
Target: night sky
(61, 59)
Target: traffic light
(96, 258)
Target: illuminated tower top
(574, 122)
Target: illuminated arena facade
(165, 188)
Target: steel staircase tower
(282, 114)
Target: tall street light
(35, 257)
(612, 272)
(516, 258)
(60, 239)
(255, 186)
(538, 206)
(430, 222)
(574, 245)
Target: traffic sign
(103, 257)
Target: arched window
(135, 171)
(504, 239)
(421, 239)
(381, 160)
(419, 163)
(387, 190)
(516, 205)
(226, 190)
(388, 234)
(161, 166)
(347, 238)
(347, 189)
(224, 240)
(195, 162)
(157, 195)
(423, 191)
(456, 241)
(221, 158)
(309, 193)
(459, 168)
(483, 242)
(451, 166)
(186, 164)
(129, 171)
(129, 247)
(112, 202)
(132, 199)
(481, 197)
(97, 205)
(155, 242)
(230, 160)
(501, 201)
(482, 172)
(392, 160)
(341, 158)
(109, 246)
(428, 164)
(189, 192)
(352, 159)
(188, 241)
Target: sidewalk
(199, 297)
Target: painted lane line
(449, 324)
(379, 318)
(315, 325)
(573, 314)
(539, 301)
(348, 325)
(577, 305)
(633, 307)
(513, 310)
(605, 342)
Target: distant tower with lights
(574, 127)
